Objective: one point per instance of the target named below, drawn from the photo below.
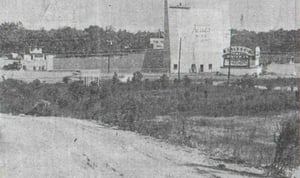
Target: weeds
(137, 104)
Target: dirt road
(45, 147)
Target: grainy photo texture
(149, 88)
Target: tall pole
(110, 41)
(108, 63)
(167, 58)
(179, 59)
(109, 55)
(229, 65)
(296, 32)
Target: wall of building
(283, 58)
(37, 62)
(127, 63)
(242, 71)
(154, 61)
(5, 61)
(204, 33)
(35, 65)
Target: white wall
(204, 33)
(242, 71)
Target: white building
(198, 33)
(36, 60)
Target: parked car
(13, 66)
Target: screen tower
(167, 60)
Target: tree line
(92, 40)
(14, 37)
(274, 41)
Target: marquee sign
(237, 56)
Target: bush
(176, 81)
(115, 79)
(186, 80)
(77, 89)
(246, 82)
(66, 79)
(137, 77)
(287, 146)
(208, 81)
(164, 81)
(36, 83)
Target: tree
(137, 77)
(164, 81)
(115, 79)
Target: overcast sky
(133, 15)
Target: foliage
(139, 105)
(66, 79)
(137, 77)
(272, 42)
(164, 81)
(287, 146)
(15, 38)
(245, 82)
(186, 80)
(115, 79)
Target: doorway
(201, 68)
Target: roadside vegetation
(238, 123)
(94, 39)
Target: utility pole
(109, 55)
(179, 59)
(229, 65)
(109, 41)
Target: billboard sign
(158, 43)
(238, 56)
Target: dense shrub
(287, 147)
(137, 77)
(164, 81)
(115, 79)
(245, 82)
(66, 79)
(186, 80)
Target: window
(175, 66)
(34, 68)
(209, 66)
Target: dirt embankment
(64, 147)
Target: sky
(134, 15)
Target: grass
(240, 139)
(235, 123)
